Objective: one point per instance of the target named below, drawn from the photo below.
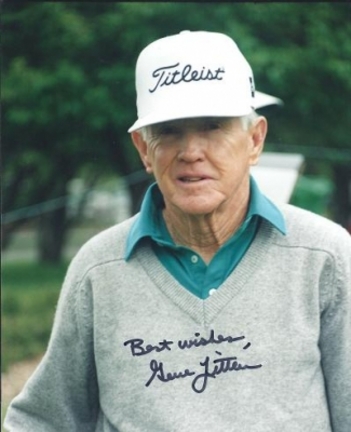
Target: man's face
(202, 165)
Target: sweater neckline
(205, 311)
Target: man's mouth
(191, 179)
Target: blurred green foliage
(313, 193)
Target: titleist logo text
(168, 75)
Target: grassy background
(29, 295)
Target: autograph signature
(211, 369)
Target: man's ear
(143, 150)
(258, 134)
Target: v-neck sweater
(184, 264)
(132, 350)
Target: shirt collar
(260, 205)
(149, 223)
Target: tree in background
(46, 97)
(61, 116)
(68, 91)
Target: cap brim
(261, 100)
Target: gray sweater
(132, 350)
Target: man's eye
(168, 130)
(209, 126)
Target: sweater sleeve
(335, 338)
(62, 394)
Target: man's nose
(191, 147)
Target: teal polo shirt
(184, 264)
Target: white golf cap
(194, 74)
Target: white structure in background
(277, 173)
(104, 206)
(109, 207)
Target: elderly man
(213, 309)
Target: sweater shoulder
(109, 243)
(105, 247)
(313, 231)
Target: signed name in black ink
(168, 75)
(219, 366)
(158, 372)
(210, 369)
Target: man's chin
(196, 206)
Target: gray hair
(145, 132)
(247, 122)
